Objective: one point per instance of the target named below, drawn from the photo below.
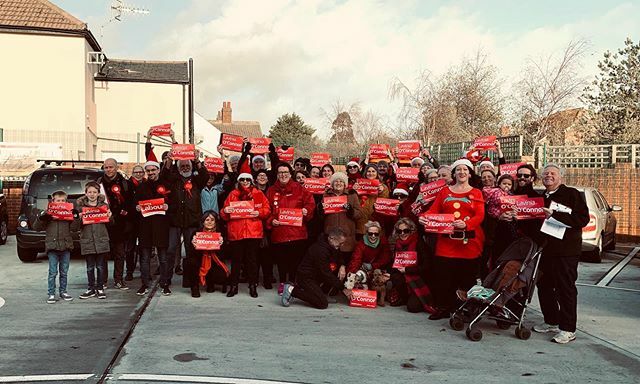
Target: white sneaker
(563, 337)
(65, 296)
(545, 328)
(51, 299)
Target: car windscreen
(43, 184)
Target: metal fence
(589, 156)
(449, 152)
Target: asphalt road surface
(215, 339)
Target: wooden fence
(589, 156)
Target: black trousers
(265, 262)
(557, 291)
(117, 254)
(288, 256)
(309, 291)
(450, 274)
(244, 252)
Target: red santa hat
(354, 161)
(401, 189)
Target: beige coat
(344, 220)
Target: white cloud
(274, 57)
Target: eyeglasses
(373, 234)
(284, 173)
(400, 196)
(405, 231)
(523, 175)
(138, 172)
(244, 179)
(352, 167)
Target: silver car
(600, 233)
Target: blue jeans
(145, 266)
(58, 261)
(95, 267)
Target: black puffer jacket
(185, 208)
(119, 192)
(153, 230)
(316, 263)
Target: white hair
(556, 166)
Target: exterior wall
(47, 79)
(620, 187)
(126, 109)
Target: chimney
(226, 112)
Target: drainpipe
(191, 128)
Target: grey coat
(94, 238)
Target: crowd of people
(315, 256)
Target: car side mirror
(616, 208)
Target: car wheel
(4, 231)
(27, 255)
(595, 256)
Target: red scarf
(245, 193)
(208, 258)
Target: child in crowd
(94, 241)
(58, 245)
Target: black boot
(232, 291)
(224, 288)
(211, 288)
(267, 284)
(253, 290)
(195, 291)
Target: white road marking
(617, 268)
(1, 302)
(191, 379)
(614, 288)
(32, 378)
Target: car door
(610, 222)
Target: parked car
(36, 195)
(4, 219)
(600, 233)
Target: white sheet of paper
(557, 222)
(559, 207)
(553, 229)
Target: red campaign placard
(242, 209)
(290, 216)
(208, 241)
(407, 150)
(484, 143)
(334, 204)
(214, 164)
(161, 130)
(429, 191)
(527, 208)
(510, 169)
(95, 215)
(378, 151)
(439, 222)
(405, 259)
(259, 145)
(152, 207)
(316, 186)
(366, 186)
(183, 151)
(363, 298)
(285, 155)
(387, 207)
(320, 159)
(407, 174)
(61, 211)
(232, 142)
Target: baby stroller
(504, 294)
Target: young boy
(58, 245)
(94, 241)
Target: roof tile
(37, 14)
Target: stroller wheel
(474, 334)
(456, 322)
(523, 333)
(503, 324)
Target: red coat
(291, 195)
(240, 229)
(378, 257)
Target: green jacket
(94, 238)
(58, 232)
